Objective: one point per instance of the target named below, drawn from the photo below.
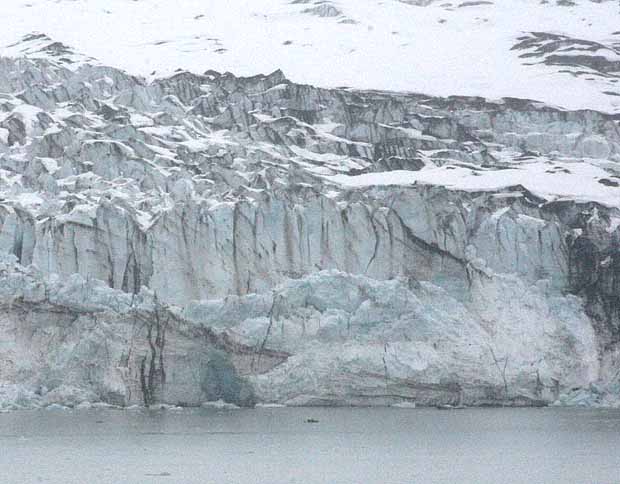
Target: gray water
(277, 445)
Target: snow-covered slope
(560, 52)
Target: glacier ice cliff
(206, 237)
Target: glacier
(204, 237)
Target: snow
(28, 114)
(207, 140)
(326, 158)
(83, 214)
(50, 164)
(614, 224)
(391, 45)
(29, 199)
(410, 132)
(541, 178)
(140, 121)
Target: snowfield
(579, 181)
(438, 48)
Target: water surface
(277, 446)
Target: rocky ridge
(205, 237)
